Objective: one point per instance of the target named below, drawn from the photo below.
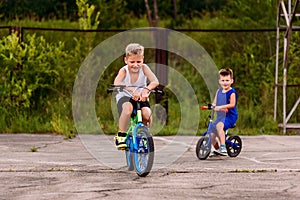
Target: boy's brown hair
(226, 72)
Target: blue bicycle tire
(144, 155)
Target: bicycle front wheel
(144, 154)
(128, 153)
(203, 147)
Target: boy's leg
(147, 116)
(220, 129)
(222, 150)
(120, 138)
(214, 144)
(214, 141)
(146, 113)
(213, 131)
(125, 116)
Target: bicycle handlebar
(111, 90)
(120, 88)
(209, 107)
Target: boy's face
(225, 82)
(134, 62)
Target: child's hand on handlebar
(220, 109)
(141, 96)
(136, 95)
(145, 94)
(216, 108)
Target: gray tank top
(140, 82)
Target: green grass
(38, 122)
(34, 149)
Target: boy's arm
(232, 100)
(119, 80)
(152, 85)
(120, 77)
(151, 77)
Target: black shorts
(134, 104)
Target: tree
(153, 20)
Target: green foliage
(37, 9)
(113, 14)
(38, 73)
(32, 82)
(14, 90)
(31, 70)
(252, 13)
(85, 13)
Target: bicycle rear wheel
(203, 147)
(144, 154)
(234, 145)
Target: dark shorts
(134, 104)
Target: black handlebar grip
(109, 91)
(159, 91)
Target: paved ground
(267, 168)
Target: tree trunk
(155, 24)
(148, 10)
(175, 9)
(153, 21)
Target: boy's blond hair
(134, 49)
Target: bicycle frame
(209, 132)
(135, 123)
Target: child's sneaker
(221, 151)
(212, 151)
(120, 140)
(212, 154)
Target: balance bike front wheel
(203, 148)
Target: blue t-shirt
(231, 116)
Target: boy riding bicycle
(134, 73)
(225, 98)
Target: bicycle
(140, 146)
(203, 147)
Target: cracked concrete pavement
(267, 168)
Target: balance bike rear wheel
(234, 145)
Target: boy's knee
(127, 109)
(146, 115)
(146, 112)
(220, 125)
